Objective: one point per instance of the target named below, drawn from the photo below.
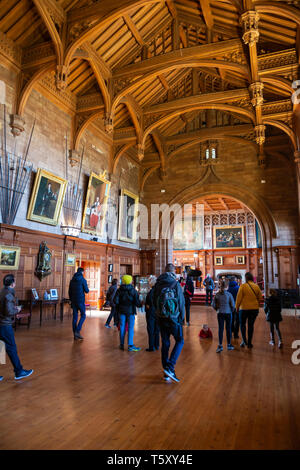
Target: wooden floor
(91, 395)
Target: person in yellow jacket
(247, 304)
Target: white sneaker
(272, 343)
(280, 344)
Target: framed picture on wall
(240, 259)
(218, 260)
(47, 198)
(128, 210)
(110, 278)
(70, 259)
(110, 268)
(228, 237)
(95, 205)
(9, 257)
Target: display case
(141, 284)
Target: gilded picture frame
(70, 259)
(240, 259)
(95, 206)
(228, 237)
(9, 257)
(218, 260)
(47, 198)
(127, 216)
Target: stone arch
(254, 203)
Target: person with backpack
(209, 287)
(272, 309)
(223, 302)
(247, 304)
(188, 293)
(126, 301)
(110, 301)
(170, 309)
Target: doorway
(125, 269)
(92, 273)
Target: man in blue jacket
(77, 290)
(166, 283)
(233, 289)
(209, 287)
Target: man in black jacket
(110, 301)
(8, 310)
(167, 326)
(77, 290)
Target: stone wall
(48, 151)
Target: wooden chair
(25, 313)
(296, 306)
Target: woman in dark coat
(188, 293)
(152, 324)
(272, 309)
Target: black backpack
(167, 303)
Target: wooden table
(43, 302)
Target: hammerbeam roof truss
(152, 72)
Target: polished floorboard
(91, 395)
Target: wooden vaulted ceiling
(158, 75)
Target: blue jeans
(130, 319)
(227, 318)
(8, 337)
(81, 308)
(153, 331)
(166, 330)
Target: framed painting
(110, 279)
(128, 210)
(189, 234)
(70, 259)
(47, 198)
(95, 205)
(9, 257)
(53, 294)
(240, 259)
(228, 237)
(218, 260)
(110, 268)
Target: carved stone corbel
(61, 77)
(108, 123)
(74, 157)
(17, 124)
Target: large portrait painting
(47, 198)
(9, 257)
(229, 237)
(188, 233)
(128, 210)
(95, 205)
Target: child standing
(223, 302)
(272, 309)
